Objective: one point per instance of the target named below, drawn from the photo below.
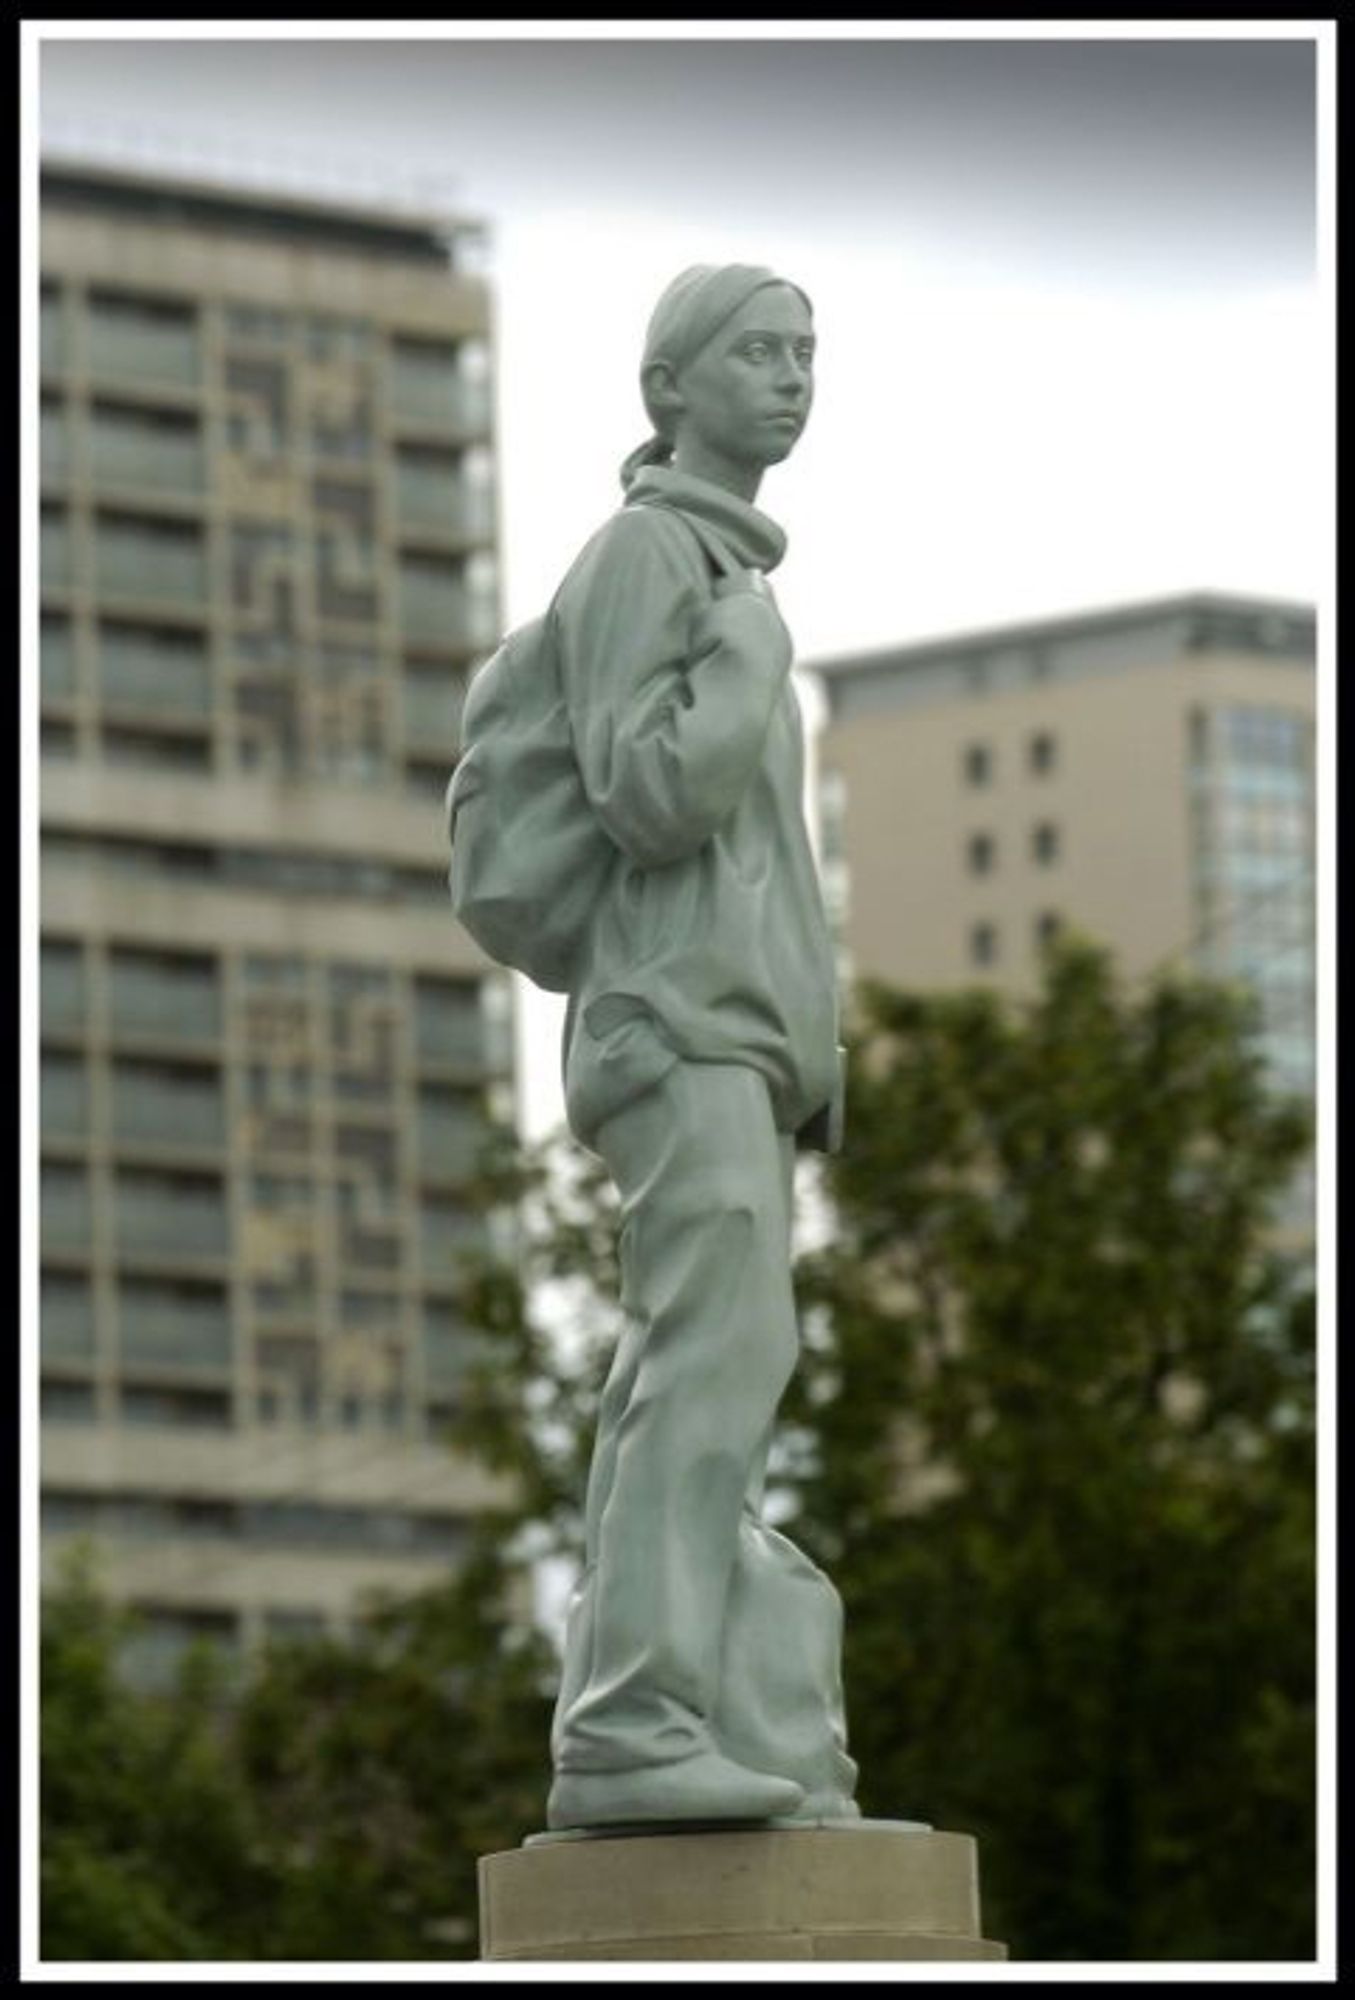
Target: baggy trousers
(695, 1626)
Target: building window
(1043, 753)
(1044, 842)
(1047, 927)
(978, 763)
(982, 853)
(983, 944)
(176, 1324)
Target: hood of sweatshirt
(752, 537)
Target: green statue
(701, 1677)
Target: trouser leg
(711, 1342)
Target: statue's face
(745, 397)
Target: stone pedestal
(867, 1889)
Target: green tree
(1056, 1413)
(146, 1848)
(1052, 1438)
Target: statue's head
(727, 371)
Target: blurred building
(1144, 773)
(268, 1054)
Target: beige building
(1144, 773)
(268, 1054)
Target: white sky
(1072, 348)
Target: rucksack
(530, 857)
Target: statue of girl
(701, 1678)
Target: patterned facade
(268, 1055)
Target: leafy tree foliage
(146, 1830)
(1058, 1396)
(1052, 1438)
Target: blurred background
(337, 361)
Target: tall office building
(268, 1054)
(1144, 773)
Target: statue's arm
(670, 692)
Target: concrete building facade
(1144, 773)
(268, 1054)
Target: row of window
(255, 1523)
(272, 871)
(446, 597)
(164, 693)
(178, 996)
(184, 1105)
(985, 939)
(178, 999)
(182, 1328)
(187, 1214)
(65, 1401)
(135, 338)
(980, 759)
(444, 489)
(981, 850)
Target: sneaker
(704, 1787)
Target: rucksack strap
(713, 546)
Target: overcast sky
(1070, 343)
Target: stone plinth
(869, 1889)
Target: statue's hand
(743, 618)
(745, 581)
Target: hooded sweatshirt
(710, 941)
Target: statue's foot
(704, 1787)
(824, 1805)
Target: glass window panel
(63, 1106)
(66, 1317)
(158, 450)
(432, 710)
(188, 1326)
(170, 995)
(448, 1022)
(64, 1205)
(165, 1103)
(164, 670)
(57, 659)
(55, 555)
(138, 338)
(180, 1214)
(434, 601)
(67, 1403)
(157, 560)
(452, 1130)
(176, 1409)
(62, 984)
